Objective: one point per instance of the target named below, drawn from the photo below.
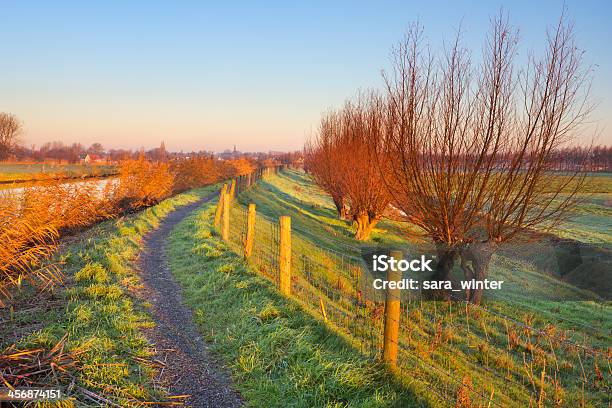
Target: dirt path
(190, 367)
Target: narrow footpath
(190, 367)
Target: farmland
(279, 355)
(28, 172)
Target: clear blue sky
(210, 75)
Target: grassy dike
(279, 355)
(99, 310)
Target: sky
(211, 75)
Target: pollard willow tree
(469, 148)
(343, 159)
(364, 122)
(321, 160)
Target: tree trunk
(344, 212)
(341, 207)
(365, 224)
(479, 256)
(444, 267)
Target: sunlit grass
(279, 355)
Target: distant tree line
(594, 159)
(75, 152)
(11, 149)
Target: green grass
(22, 172)
(278, 354)
(475, 345)
(591, 221)
(99, 307)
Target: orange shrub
(32, 220)
(238, 167)
(195, 172)
(141, 183)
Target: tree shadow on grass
(272, 203)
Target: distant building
(91, 158)
(230, 154)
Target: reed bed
(33, 219)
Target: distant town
(58, 152)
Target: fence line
(396, 328)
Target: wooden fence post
(226, 218)
(284, 280)
(232, 189)
(322, 306)
(250, 233)
(392, 316)
(220, 205)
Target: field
(23, 172)
(591, 221)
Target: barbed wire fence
(467, 355)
